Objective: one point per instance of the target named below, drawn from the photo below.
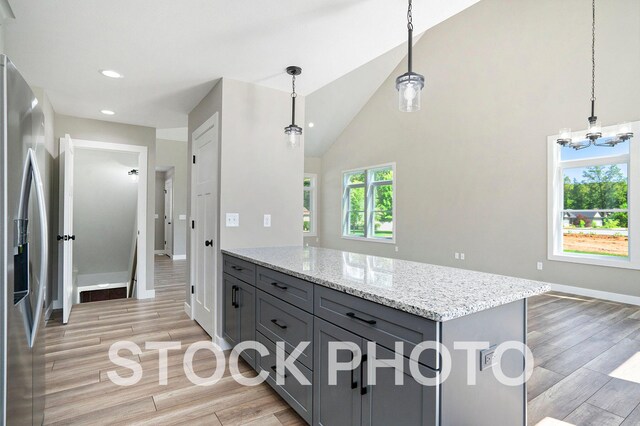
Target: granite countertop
(435, 292)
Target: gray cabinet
(240, 314)
(339, 404)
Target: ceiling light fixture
(311, 124)
(134, 174)
(594, 132)
(111, 74)
(107, 112)
(293, 131)
(409, 84)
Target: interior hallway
(80, 392)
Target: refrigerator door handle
(32, 173)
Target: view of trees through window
(595, 214)
(307, 208)
(369, 203)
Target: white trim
(159, 252)
(204, 127)
(48, 312)
(179, 257)
(598, 294)
(313, 189)
(188, 310)
(366, 185)
(80, 289)
(141, 283)
(220, 341)
(56, 305)
(555, 201)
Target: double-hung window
(309, 222)
(368, 203)
(594, 203)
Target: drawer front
(281, 322)
(377, 323)
(290, 289)
(241, 269)
(297, 395)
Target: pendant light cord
(593, 57)
(293, 100)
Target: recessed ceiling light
(107, 112)
(111, 74)
(310, 124)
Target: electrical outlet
(486, 358)
(461, 256)
(457, 256)
(233, 220)
(397, 248)
(539, 266)
(267, 220)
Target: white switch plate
(267, 220)
(397, 248)
(182, 217)
(539, 266)
(157, 217)
(457, 255)
(233, 220)
(461, 256)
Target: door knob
(72, 237)
(208, 243)
(59, 237)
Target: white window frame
(555, 199)
(368, 205)
(313, 189)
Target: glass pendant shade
(624, 130)
(564, 136)
(595, 130)
(293, 135)
(409, 87)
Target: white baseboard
(159, 252)
(179, 257)
(56, 304)
(48, 312)
(614, 297)
(147, 294)
(220, 341)
(187, 309)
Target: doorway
(102, 232)
(168, 217)
(204, 232)
(165, 226)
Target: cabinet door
(231, 311)
(246, 298)
(408, 404)
(340, 404)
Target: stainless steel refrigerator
(23, 251)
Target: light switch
(233, 220)
(267, 220)
(182, 217)
(539, 266)
(157, 216)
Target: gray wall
(174, 154)
(104, 212)
(314, 165)
(471, 165)
(259, 174)
(103, 131)
(159, 210)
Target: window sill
(309, 234)
(370, 240)
(595, 260)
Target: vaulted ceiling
(171, 51)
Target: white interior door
(66, 236)
(204, 234)
(168, 217)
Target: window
(309, 226)
(592, 213)
(368, 203)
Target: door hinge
(193, 290)
(165, 191)
(194, 159)
(193, 224)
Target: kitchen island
(315, 295)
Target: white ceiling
(170, 51)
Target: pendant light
(409, 84)
(594, 132)
(293, 131)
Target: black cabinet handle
(280, 286)
(72, 237)
(236, 268)
(234, 296)
(354, 316)
(282, 326)
(208, 243)
(60, 237)
(275, 370)
(363, 389)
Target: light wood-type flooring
(587, 365)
